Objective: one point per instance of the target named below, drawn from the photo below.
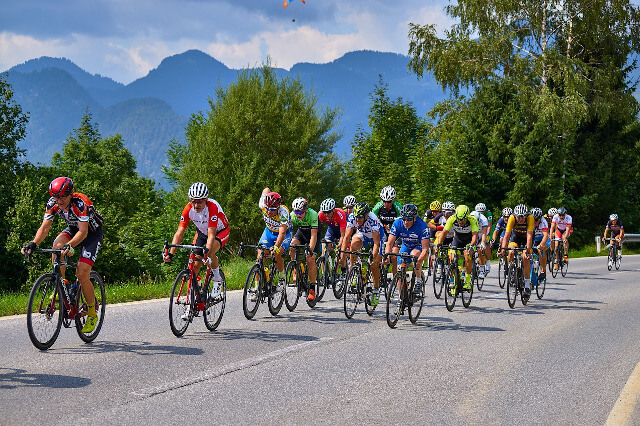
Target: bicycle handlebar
(185, 246)
(28, 257)
(402, 255)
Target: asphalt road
(564, 359)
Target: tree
(260, 131)
(384, 156)
(13, 124)
(567, 64)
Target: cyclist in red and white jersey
(212, 230)
(84, 230)
(561, 227)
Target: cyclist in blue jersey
(415, 237)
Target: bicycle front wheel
(512, 285)
(502, 272)
(339, 281)
(451, 287)
(555, 265)
(394, 300)
(352, 291)
(542, 284)
(293, 278)
(276, 292)
(251, 295)
(100, 304)
(610, 258)
(323, 277)
(44, 312)
(618, 253)
(467, 295)
(180, 304)
(564, 267)
(439, 275)
(417, 300)
(368, 293)
(215, 306)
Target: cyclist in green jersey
(388, 210)
(306, 220)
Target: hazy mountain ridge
(152, 110)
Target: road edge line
(628, 399)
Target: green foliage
(260, 131)
(384, 156)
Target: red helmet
(61, 187)
(273, 200)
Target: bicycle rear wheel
(215, 306)
(439, 275)
(293, 277)
(451, 283)
(352, 291)
(100, 301)
(417, 300)
(618, 253)
(275, 296)
(542, 284)
(479, 278)
(502, 272)
(394, 301)
(339, 281)
(251, 294)
(467, 295)
(610, 258)
(180, 304)
(44, 312)
(512, 285)
(554, 263)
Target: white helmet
(480, 207)
(613, 217)
(299, 204)
(327, 205)
(349, 201)
(388, 193)
(448, 205)
(552, 212)
(507, 211)
(198, 191)
(521, 210)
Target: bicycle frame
(193, 282)
(263, 252)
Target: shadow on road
(139, 348)
(441, 323)
(245, 334)
(12, 378)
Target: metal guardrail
(628, 238)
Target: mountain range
(152, 110)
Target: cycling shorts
(303, 236)
(517, 240)
(408, 250)
(461, 240)
(366, 242)
(90, 246)
(559, 233)
(538, 238)
(202, 238)
(269, 238)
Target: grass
(235, 272)
(145, 288)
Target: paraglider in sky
(286, 2)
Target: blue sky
(125, 39)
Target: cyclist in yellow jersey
(519, 233)
(465, 229)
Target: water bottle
(266, 273)
(73, 290)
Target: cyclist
(306, 219)
(364, 229)
(541, 239)
(617, 230)
(561, 227)
(336, 221)
(84, 231)
(434, 210)
(438, 222)
(501, 225)
(482, 208)
(519, 233)
(483, 229)
(212, 231)
(348, 203)
(277, 232)
(414, 234)
(465, 229)
(387, 210)
(550, 214)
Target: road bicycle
(359, 285)
(614, 257)
(454, 281)
(558, 259)
(297, 278)
(262, 284)
(54, 303)
(540, 285)
(328, 275)
(439, 273)
(402, 293)
(189, 297)
(515, 278)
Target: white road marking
(628, 399)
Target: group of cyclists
(388, 227)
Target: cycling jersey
(520, 228)
(562, 224)
(615, 228)
(412, 237)
(482, 220)
(370, 225)
(212, 216)
(387, 216)
(429, 215)
(470, 227)
(310, 220)
(81, 209)
(282, 218)
(540, 228)
(338, 221)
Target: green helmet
(462, 212)
(361, 210)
